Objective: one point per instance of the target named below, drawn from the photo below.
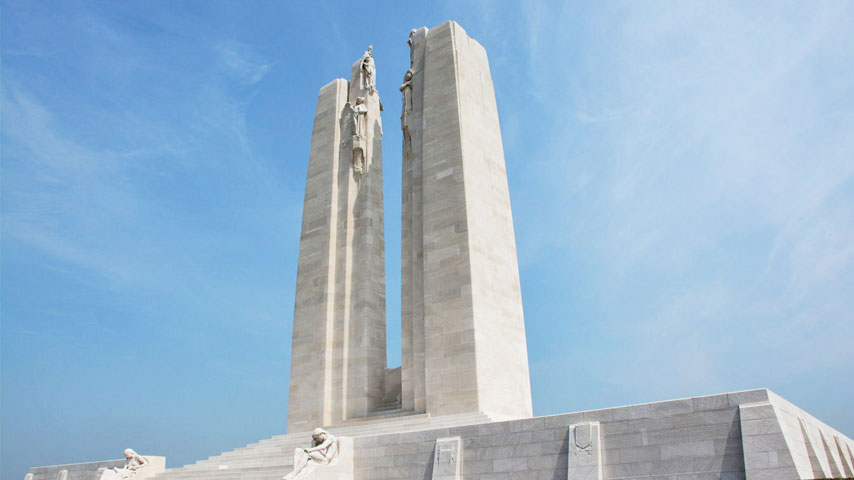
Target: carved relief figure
(324, 448)
(406, 91)
(360, 111)
(406, 113)
(133, 462)
(360, 120)
(368, 69)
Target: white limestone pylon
(338, 354)
(463, 327)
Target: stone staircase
(272, 458)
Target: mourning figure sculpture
(133, 462)
(324, 448)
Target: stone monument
(460, 404)
(338, 360)
(463, 329)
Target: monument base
(93, 470)
(748, 435)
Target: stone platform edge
(89, 470)
(752, 435)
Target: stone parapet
(93, 470)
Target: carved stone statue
(324, 448)
(406, 91)
(368, 70)
(406, 114)
(360, 111)
(133, 462)
(360, 120)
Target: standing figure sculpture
(324, 448)
(368, 70)
(133, 462)
(406, 113)
(360, 114)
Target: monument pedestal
(748, 435)
(93, 470)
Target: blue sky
(680, 173)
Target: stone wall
(91, 470)
(464, 346)
(782, 441)
(688, 439)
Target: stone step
(280, 442)
(230, 474)
(280, 460)
(273, 457)
(224, 471)
(284, 445)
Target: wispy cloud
(62, 198)
(709, 154)
(240, 62)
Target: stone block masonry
(338, 354)
(464, 344)
(701, 438)
(93, 470)
(729, 436)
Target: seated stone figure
(324, 448)
(133, 462)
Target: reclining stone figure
(133, 462)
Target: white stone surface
(463, 329)
(782, 441)
(414, 383)
(696, 438)
(585, 452)
(338, 358)
(272, 458)
(341, 468)
(136, 466)
(465, 351)
(94, 470)
(329, 458)
(447, 459)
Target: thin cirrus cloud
(240, 62)
(712, 183)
